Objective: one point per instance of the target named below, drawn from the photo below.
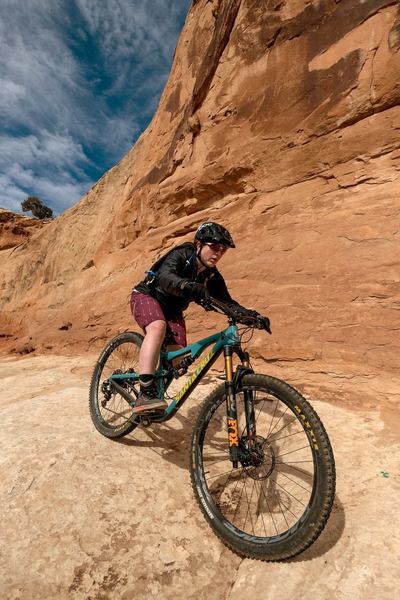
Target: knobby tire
(113, 418)
(277, 509)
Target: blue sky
(79, 81)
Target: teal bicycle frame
(164, 375)
(226, 341)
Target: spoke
(283, 514)
(292, 451)
(238, 481)
(292, 468)
(240, 497)
(262, 518)
(261, 407)
(273, 416)
(118, 414)
(292, 462)
(292, 420)
(124, 353)
(220, 474)
(280, 505)
(286, 436)
(294, 481)
(223, 486)
(216, 461)
(278, 421)
(288, 509)
(248, 508)
(269, 510)
(287, 492)
(117, 410)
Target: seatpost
(231, 412)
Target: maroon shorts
(146, 309)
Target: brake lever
(206, 305)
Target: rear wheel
(278, 500)
(110, 412)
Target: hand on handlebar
(253, 318)
(264, 323)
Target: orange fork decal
(233, 437)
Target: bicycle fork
(231, 384)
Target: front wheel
(278, 500)
(110, 412)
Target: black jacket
(172, 271)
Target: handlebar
(255, 321)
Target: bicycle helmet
(213, 232)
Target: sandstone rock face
(16, 229)
(280, 119)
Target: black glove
(246, 316)
(252, 317)
(264, 323)
(198, 292)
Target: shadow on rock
(170, 442)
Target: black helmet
(213, 232)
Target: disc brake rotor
(258, 459)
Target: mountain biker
(186, 273)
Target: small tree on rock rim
(37, 208)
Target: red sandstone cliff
(280, 119)
(16, 229)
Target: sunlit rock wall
(280, 119)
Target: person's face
(211, 252)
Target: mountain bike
(261, 464)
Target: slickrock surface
(84, 517)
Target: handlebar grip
(258, 321)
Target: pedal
(146, 419)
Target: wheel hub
(259, 458)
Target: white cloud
(51, 148)
(11, 195)
(127, 28)
(50, 166)
(59, 107)
(136, 40)
(37, 63)
(57, 190)
(10, 93)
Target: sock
(146, 381)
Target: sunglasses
(218, 248)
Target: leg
(151, 347)
(150, 317)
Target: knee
(157, 329)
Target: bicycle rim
(264, 507)
(108, 408)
